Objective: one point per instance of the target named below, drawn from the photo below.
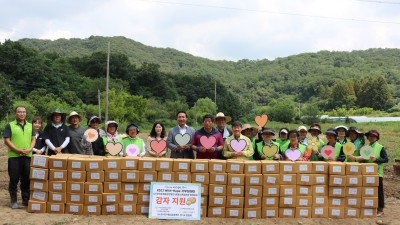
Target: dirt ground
(20, 216)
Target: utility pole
(98, 100)
(215, 93)
(107, 80)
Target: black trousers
(18, 171)
(381, 196)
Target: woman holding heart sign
(156, 145)
(295, 150)
(237, 146)
(357, 138)
(112, 141)
(133, 145)
(266, 149)
(333, 151)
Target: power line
(377, 1)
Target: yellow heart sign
(270, 151)
(349, 148)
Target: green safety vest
(377, 152)
(337, 147)
(314, 157)
(260, 146)
(136, 141)
(300, 147)
(21, 138)
(105, 142)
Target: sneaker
(14, 205)
(380, 214)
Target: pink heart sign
(328, 152)
(207, 142)
(132, 150)
(158, 146)
(114, 149)
(238, 145)
(293, 155)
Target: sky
(214, 29)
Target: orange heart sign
(91, 135)
(114, 149)
(261, 120)
(270, 151)
(348, 148)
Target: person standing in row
(96, 147)
(184, 131)
(56, 133)
(157, 133)
(237, 136)
(40, 145)
(132, 130)
(112, 136)
(76, 131)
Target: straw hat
(222, 115)
(254, 130)
(73, 113)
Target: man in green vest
(20, 140)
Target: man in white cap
(302, 135)
(221, 120)
(76, 132)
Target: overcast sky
(214, 29)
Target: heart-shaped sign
(270, 151)
(293, 155)
(207, 142)
(114, 149)
(261, 120)
(182, 139)
(328, 152)
(158, 146)
(313, 144)
(348, 148)
(366, 152)
(132, 150)
(238, 145)
(91, 135)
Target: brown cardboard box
(287, 167)
(183, 177)
(252, 167)
(76, 164)
(235, 190)
(40, 185)
(287, 201)
(234, 213)
(112, 163)
(370, 181)
(287, 212)
(76, 209)
(58, 162)
(217, 166)
(129, 163)
(305, 179)
(130, 176)
(143, 198)
(320, 179)
(337, 181)
(234, 202)
(92, 210)
(352, 202)
(234, 166)
(111, 198)
(130, 188)
(252, 213)
(303, 167)
(94, 164)
(337, 192)
(78, 176)
(354, 180)
(203, 211)
(93, 199)
(218, 178)
(57, 175)
(142, 209)
(353, 168)
(204, 189)
(202, 178)
(252, 202)
(181, 165)
(337, 202)
(319, 212)
(56, 208)
(58, 186)
(336, 212)
(270, 212)
(112, 176)
(75, 187)
(165, 176)
(204, 200)
(303, 212)
(270, 167)
(95, 176)
(368, 213)
(288, 190)
(320, 167)
(354, 192)
(253, 191)
(320, 200)
(216, 212)
(129, 198)
(75, 198)
(304, 190)
(270, 202)
(236, 179)
(369, 191)
(93, 188)
(199, 166)
(288, 179)
(147, 176)
(38, 174)
(304, 201)
(127, 209)
(369, 169)
(39, 196)
(36, 207)
(271, 179)
(40, 161)
(271, 190)
(320, 190)
(164, 164)
(112, 187)
(337, 168)
(217, 201)
(253, 179)
(369, 202)
(351, 212)
(217, 189)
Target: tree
(310, 113)
(375, 94)
(202, 107)
(343, 95)
(6, 96)
(282, 110)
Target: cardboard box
(369, 191)
(165, 176)
(112, 187)
(304, 201)
(75, 187)
(354, 180)
(142, 209)
(112, 163)
(354, 192)
(218, 212)
(217, 201)
(303, 212)
(58, 162)
(319, 212)
(252, 213)
(202, 178)
(130, 176)
(93, 188)
(353, 168)
(287, 212)
(93, 199)
(337, 202)
(320, 179)
(111, 198)
(234, 202)
(128, 198)
(303, 167)
(320, 167)
(78, 176)
(127, 209)
(40, 185)
(253, 179)
(369, 168)
(270, 167)
(38, 196)
(252, 202)
(336, 212)
(40, 161)
(217, 166)
(288, 190)
(147, 164)
(38, 174)
(236, 179)
(270, 202)
(304, 190)
(92, 210)
(181, 165)
(337, 192)
(235, 190)
(183, 177)
(203, 211)
(56, 208)
(368, 213)
(370, 181)
(218, 178)
(271, 179)
(112, 176)
(271, 190)
(287, 201)
(337, 168)
(204, 189)
(352, 202)
(75, 198)
(337, 181)
(76, 164)
(143, 198)
(147, 176)
(57, 197)
(130, 188)
(351, 212)
(76, 209)
(253, 191)
(58, 186)
(320, 190)
(288, 179)
(287, 167)
(270, 212)
(129, 163)
(94, 164)
(305, 179)
(199, 166)
(36, 207)
(204, 200)
(234, 166)
(320, 200)
(164, 164)
(95, 176)
(252, 167)
(217, 189)
(234, 213)
(369, 202)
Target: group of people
(240, 142)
